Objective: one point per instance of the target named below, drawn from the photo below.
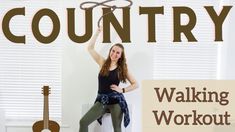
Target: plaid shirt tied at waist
(104, 99)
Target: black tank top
(106, 81)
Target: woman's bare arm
(91, 49)
(133, 85)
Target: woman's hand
(99, 29)
(116, 88)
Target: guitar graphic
(46, 125)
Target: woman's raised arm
(91, 49)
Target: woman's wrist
(97, 33)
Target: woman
(110, 97)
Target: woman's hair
(121, 65)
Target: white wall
(227, 63)
(2, 120)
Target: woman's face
(115, 53)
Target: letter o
(210, 119)
(181, 119)
(36, 30)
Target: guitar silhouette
(46, 125)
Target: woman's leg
(94, 113)
(116, 114)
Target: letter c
(6, 28)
